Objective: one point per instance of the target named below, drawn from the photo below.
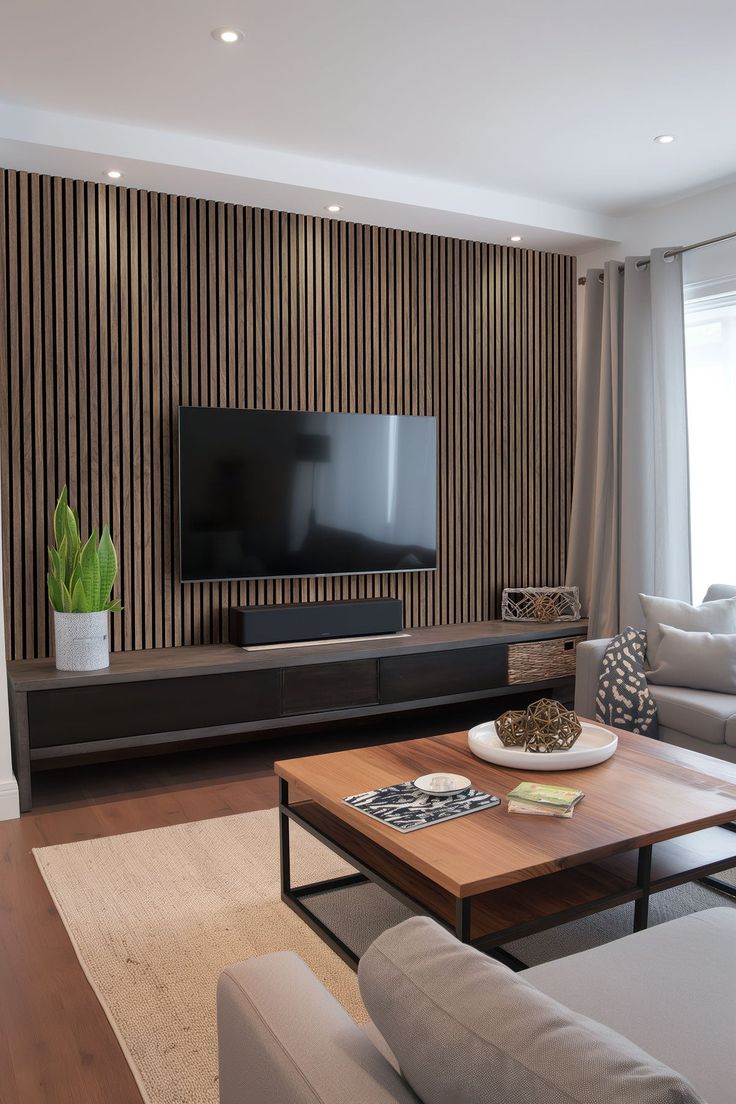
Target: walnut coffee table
(652, 818)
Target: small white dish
(442, 785)
(594, 745)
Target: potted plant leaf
(80, 581)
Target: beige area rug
(155, 916)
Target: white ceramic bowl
(442, 785)
(593, 745)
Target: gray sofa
(606, 1026)
(700, 720)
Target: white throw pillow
(701, 660)
(716, 591)
(711, 617)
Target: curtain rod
(676, 252)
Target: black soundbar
(254, 625)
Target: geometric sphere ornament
(550, 727)
(511, 728)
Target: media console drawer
(542, 659)
(81, 714)
(443, 673)
(321, 687)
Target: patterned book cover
(545, 795)
(406, 809)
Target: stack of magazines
(537, 799)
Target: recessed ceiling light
(333, 208)
(515, 237)
(664, 139)
(114, 174)
(228, 35)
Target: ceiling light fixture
(114, 174)
(333, 208)
(665, 139)
(228, 35)
(515, 238)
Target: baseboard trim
(9, 802)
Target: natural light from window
(710, 336)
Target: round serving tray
(593, 745)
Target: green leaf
(55, 595)
(55, 564)
(74, 578)
(60, 516)
(114, 607)
(66, 599)
(89, 571)
(72, 531)
(108, 565)
(62, 552)
(80, 602)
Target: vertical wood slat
(117, 305)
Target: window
(710, 342)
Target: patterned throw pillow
(623, 699)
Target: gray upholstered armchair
(465, 1028)
(701, 720)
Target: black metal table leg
(284, 853)
(462, 919)
(463, 907)
(718, 883)
(643, 877)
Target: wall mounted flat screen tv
(273, 494)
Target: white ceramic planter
(82, 641)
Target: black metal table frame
(296, 896)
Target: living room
(368, 598)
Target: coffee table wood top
(647, 792)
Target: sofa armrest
(283, 1039)
(589, 656)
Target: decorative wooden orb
(545, 607)
(511, 728)
(550, 727)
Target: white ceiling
(474, 116)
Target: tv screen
(269, 494)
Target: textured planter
(82, 642)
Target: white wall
(702, 216)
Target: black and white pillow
(624, 699)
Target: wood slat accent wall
(118, 305)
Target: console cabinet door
(443, 673)
(320, 687)
(122, 709)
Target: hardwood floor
(56, 1045)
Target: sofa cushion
(671, 989)
(700, 713)
(466, 1029)
(713, 617)
(705, 661)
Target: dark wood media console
(169, 695)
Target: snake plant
(81, 576)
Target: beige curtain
(630, 523)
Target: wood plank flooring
(56, 1046)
